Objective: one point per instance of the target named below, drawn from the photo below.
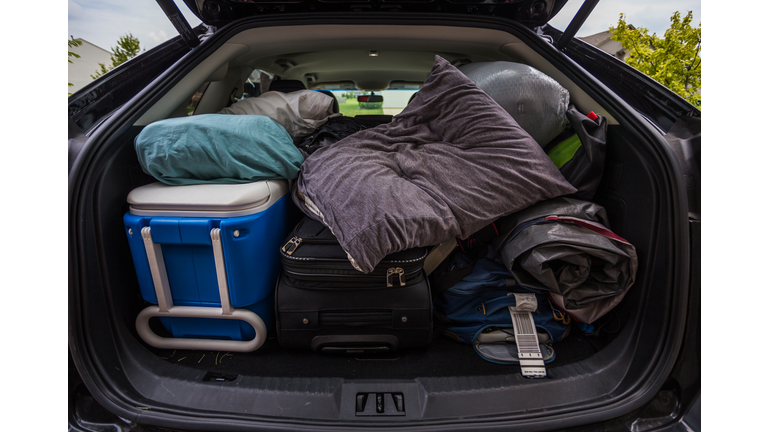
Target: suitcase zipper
(395, 276)
(290, 247)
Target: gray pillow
(452, 162)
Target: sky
(102, 22)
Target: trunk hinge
(177, 19)
(576, 23)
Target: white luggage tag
(526, 339)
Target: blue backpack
(476, 311)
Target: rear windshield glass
(356, 102)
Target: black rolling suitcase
(322, 303)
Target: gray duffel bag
(564, 246)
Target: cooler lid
(206, 200)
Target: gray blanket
(452, 162)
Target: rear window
(356, 102)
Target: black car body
(644, 376)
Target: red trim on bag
(592, 226)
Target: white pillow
(299, 112)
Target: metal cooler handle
(165, 307)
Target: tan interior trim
(185, 88)
(336, 53)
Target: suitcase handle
(355, 342)
(502, 302)
(355, 319)
(150, 337)
(165, 307)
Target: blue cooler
(207, 257)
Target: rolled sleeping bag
(564, 246)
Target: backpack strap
(475, 246)
(444, 279)
(438, 284)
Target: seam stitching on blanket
(365, 244)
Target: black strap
(451, 278)
(475, 246)
(335, 128)
(442, 279)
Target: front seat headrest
(286, 86)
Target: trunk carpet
(443, 357)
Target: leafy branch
(673, 60)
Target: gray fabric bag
(564, 246)
(535, 100)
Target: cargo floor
(443, 357)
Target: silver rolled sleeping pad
(536, 101)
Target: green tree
(127, 48)
(72, 43)
(673, 60)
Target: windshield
(356, 102)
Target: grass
(351, 108)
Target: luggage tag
(526, 338)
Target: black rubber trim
(101, 97)
(646, 95)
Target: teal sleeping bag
(217, 148)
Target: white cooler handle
(165, 307)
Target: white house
(81, 69)
(603, 41)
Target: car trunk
(593, 378)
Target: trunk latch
(290, 247)
(393, 272)
(379, 404)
